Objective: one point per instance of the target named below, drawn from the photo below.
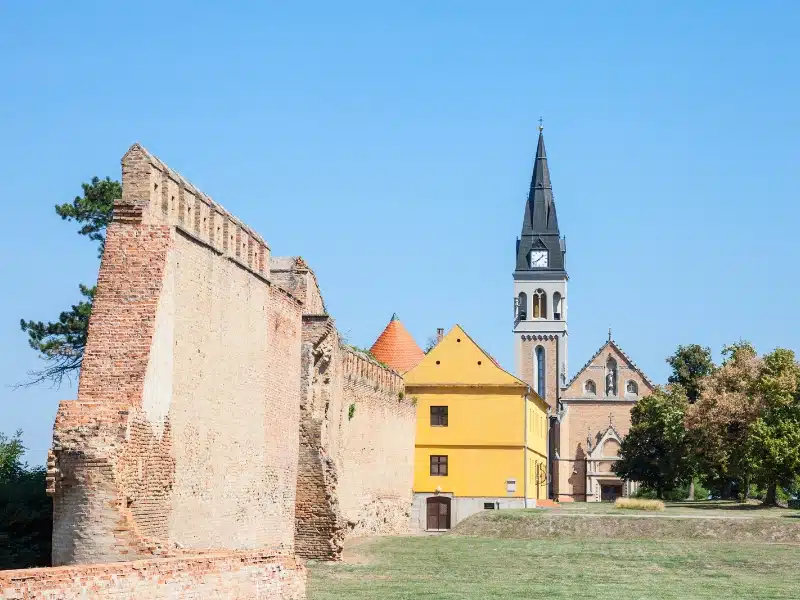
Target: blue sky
(392, 147)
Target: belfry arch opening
(539, 304)
(558, 312)
(522, 306)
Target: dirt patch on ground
(356, 550)
(536, 524)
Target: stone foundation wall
(242, 575)
(356, 445)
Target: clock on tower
(540, 290)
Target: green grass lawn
(451, 567)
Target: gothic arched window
(631, 388)
(589, 388)
(540, 376)
(539, 304)
(522, 306)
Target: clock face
(538, 258)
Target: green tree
(719, 421)
(11, 451)
(61, 343)
(690, 364)
(773, 441)
(656, 451)
(26, 512)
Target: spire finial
(394, 317)
(541, 127)
(609, 334)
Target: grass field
(464, 568)
(478, 567)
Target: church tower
(540, 290)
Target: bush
(26, 521)
(26, 511)
(639, 504)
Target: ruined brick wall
(255, 575)
(293, 274)
(377, 449)
(356, 445)
(185, 432)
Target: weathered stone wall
(356, 445)
(255, 575)
(185, 432)
(377, 448)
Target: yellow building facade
(481, 438)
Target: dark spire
(540, 223)
(540, 195)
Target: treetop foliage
(93, 210)
(690, 364)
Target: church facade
(589, 413)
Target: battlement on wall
(360, 367)
(153, 193)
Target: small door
(438, 513)
(609, 493)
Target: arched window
(539, 304)
(590, 388)
(631, 388)
(522, 306)
(558, 313)
(539, 374)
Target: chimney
(439, 334)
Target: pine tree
(61, 343)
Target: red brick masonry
(230, 575)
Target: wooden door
(438, 513)
(609, 493)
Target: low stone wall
(239, 575)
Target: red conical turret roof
(397, 348)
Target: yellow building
(481, 435)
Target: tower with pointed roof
(540, 289)
(396, 347)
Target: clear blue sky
(392, 147)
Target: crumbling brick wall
(184, 435)
(257, 575)
(377, 449)
(356, 445)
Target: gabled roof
(397, 348)
(614, 345)
(457, 360)
(610, 433)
